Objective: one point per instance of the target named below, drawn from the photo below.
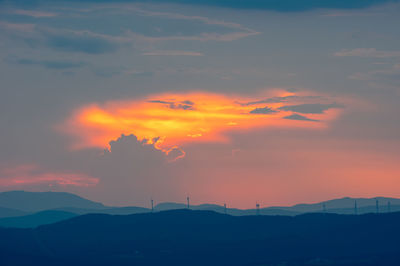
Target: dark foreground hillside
(184, 237)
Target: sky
(236, 102)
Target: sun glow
(168, 120)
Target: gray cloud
(299, 117)
(264, 110)
(129, 172)
(17, 27)
(131, 169)
(292, 90)
(90, 42)
(388, 78)
(238, 33)
(281, 5)
(124, 146)
(270, 100)
(51, 64)
(80, 43)
(108, 71)
(283, 99)
(65, 40)
(368, 52)
(172, 53)
(288, 5)
(34, 13)
(310, 108)
(184, 105)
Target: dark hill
(108, 210)
(36, 219)
(185, 237)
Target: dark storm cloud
(264, 110)
(299, 117)
(310, 108)
(275, 5)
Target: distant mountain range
(338, 206)
(7, 212)
(188, 237)
(40, 201)
(30, 209)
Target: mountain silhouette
(343, 203)
(40, 201)
(338, 206)
(220, 209)
(28, 206)
(7, 212)
(187, 237)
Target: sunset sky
(251, 101)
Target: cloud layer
(172, 119)
(368, 52)
(282, 5)
(31, 175)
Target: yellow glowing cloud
(174, 119)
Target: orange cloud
(168, 120)
(31, 175)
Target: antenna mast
(188, 205)
(225, 208)
(152, 205)
(257, 209)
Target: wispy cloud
(202, 19)
(91, 42)
(34, 13)
(362, 13)
(31, 174)
(19, 27)
(65, 40)
(49, 64)
(280, 6)
(310, 108)
(387, 77)
(203, 37)
(240, 30)
(172, 53)
(368, 52)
